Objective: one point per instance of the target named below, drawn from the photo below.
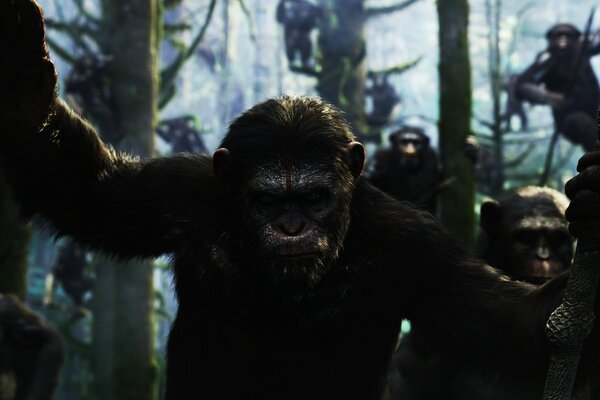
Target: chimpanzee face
(541, 247)
(563, 41)
(297, 215)
(410, 146)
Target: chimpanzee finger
(591, 158)
(587, 179)
(585, 228)
(585, 205)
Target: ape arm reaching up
(59, 169)
(65, 174)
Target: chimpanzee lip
(292, 256)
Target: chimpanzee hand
(584, 191)
(27, 76)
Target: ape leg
(290, 47)
(305, 47)
(580, 128)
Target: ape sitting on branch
(292, 272)
(384, 98)
(299, 18)
(182, 134)
(30, 353)
(562, 77)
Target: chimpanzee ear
(222, 163)
(490, 216)
(393, 138)
(357, 158)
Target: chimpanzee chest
(334, 343)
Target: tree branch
(305, 71)
(396, 69)
(376, 11)
(169, 74)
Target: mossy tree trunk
(123, 328)
(342, 59)
(341, 55)
(14, 239)
(458, 200)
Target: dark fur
(554, 70)
(30, 352)
(69, 272)
(498, 243)
(418, 185)
(236, 336)
(420, 372)
(299, 18)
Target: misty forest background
(209, 60)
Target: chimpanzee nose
(292, 226)
(542, 251)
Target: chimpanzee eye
(315, 197)
(526, 237)
(266, 200)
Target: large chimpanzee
(384, 98)
(69, 272)
(408, 170)
(30, 353)
(524, 235)
(182, 134)
(292, 272)
(299, 18)
(569, 84)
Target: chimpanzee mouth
(295, 256)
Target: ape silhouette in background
(563, 78)
(69, 272)
(183, 136)
(299, 18)
(31, 353)
(409, 169)
(88, 90)
(514, 106)
(292, 272)
(524, 234)
(384, 99)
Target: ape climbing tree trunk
(458, 200)
(573, 320)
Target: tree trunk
(342, 59)
(495, 73)
(457, 201)
(14, 238)
(123, 331)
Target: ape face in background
(295, 208)
(410, 143)
(526, 234)
(563, 39)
